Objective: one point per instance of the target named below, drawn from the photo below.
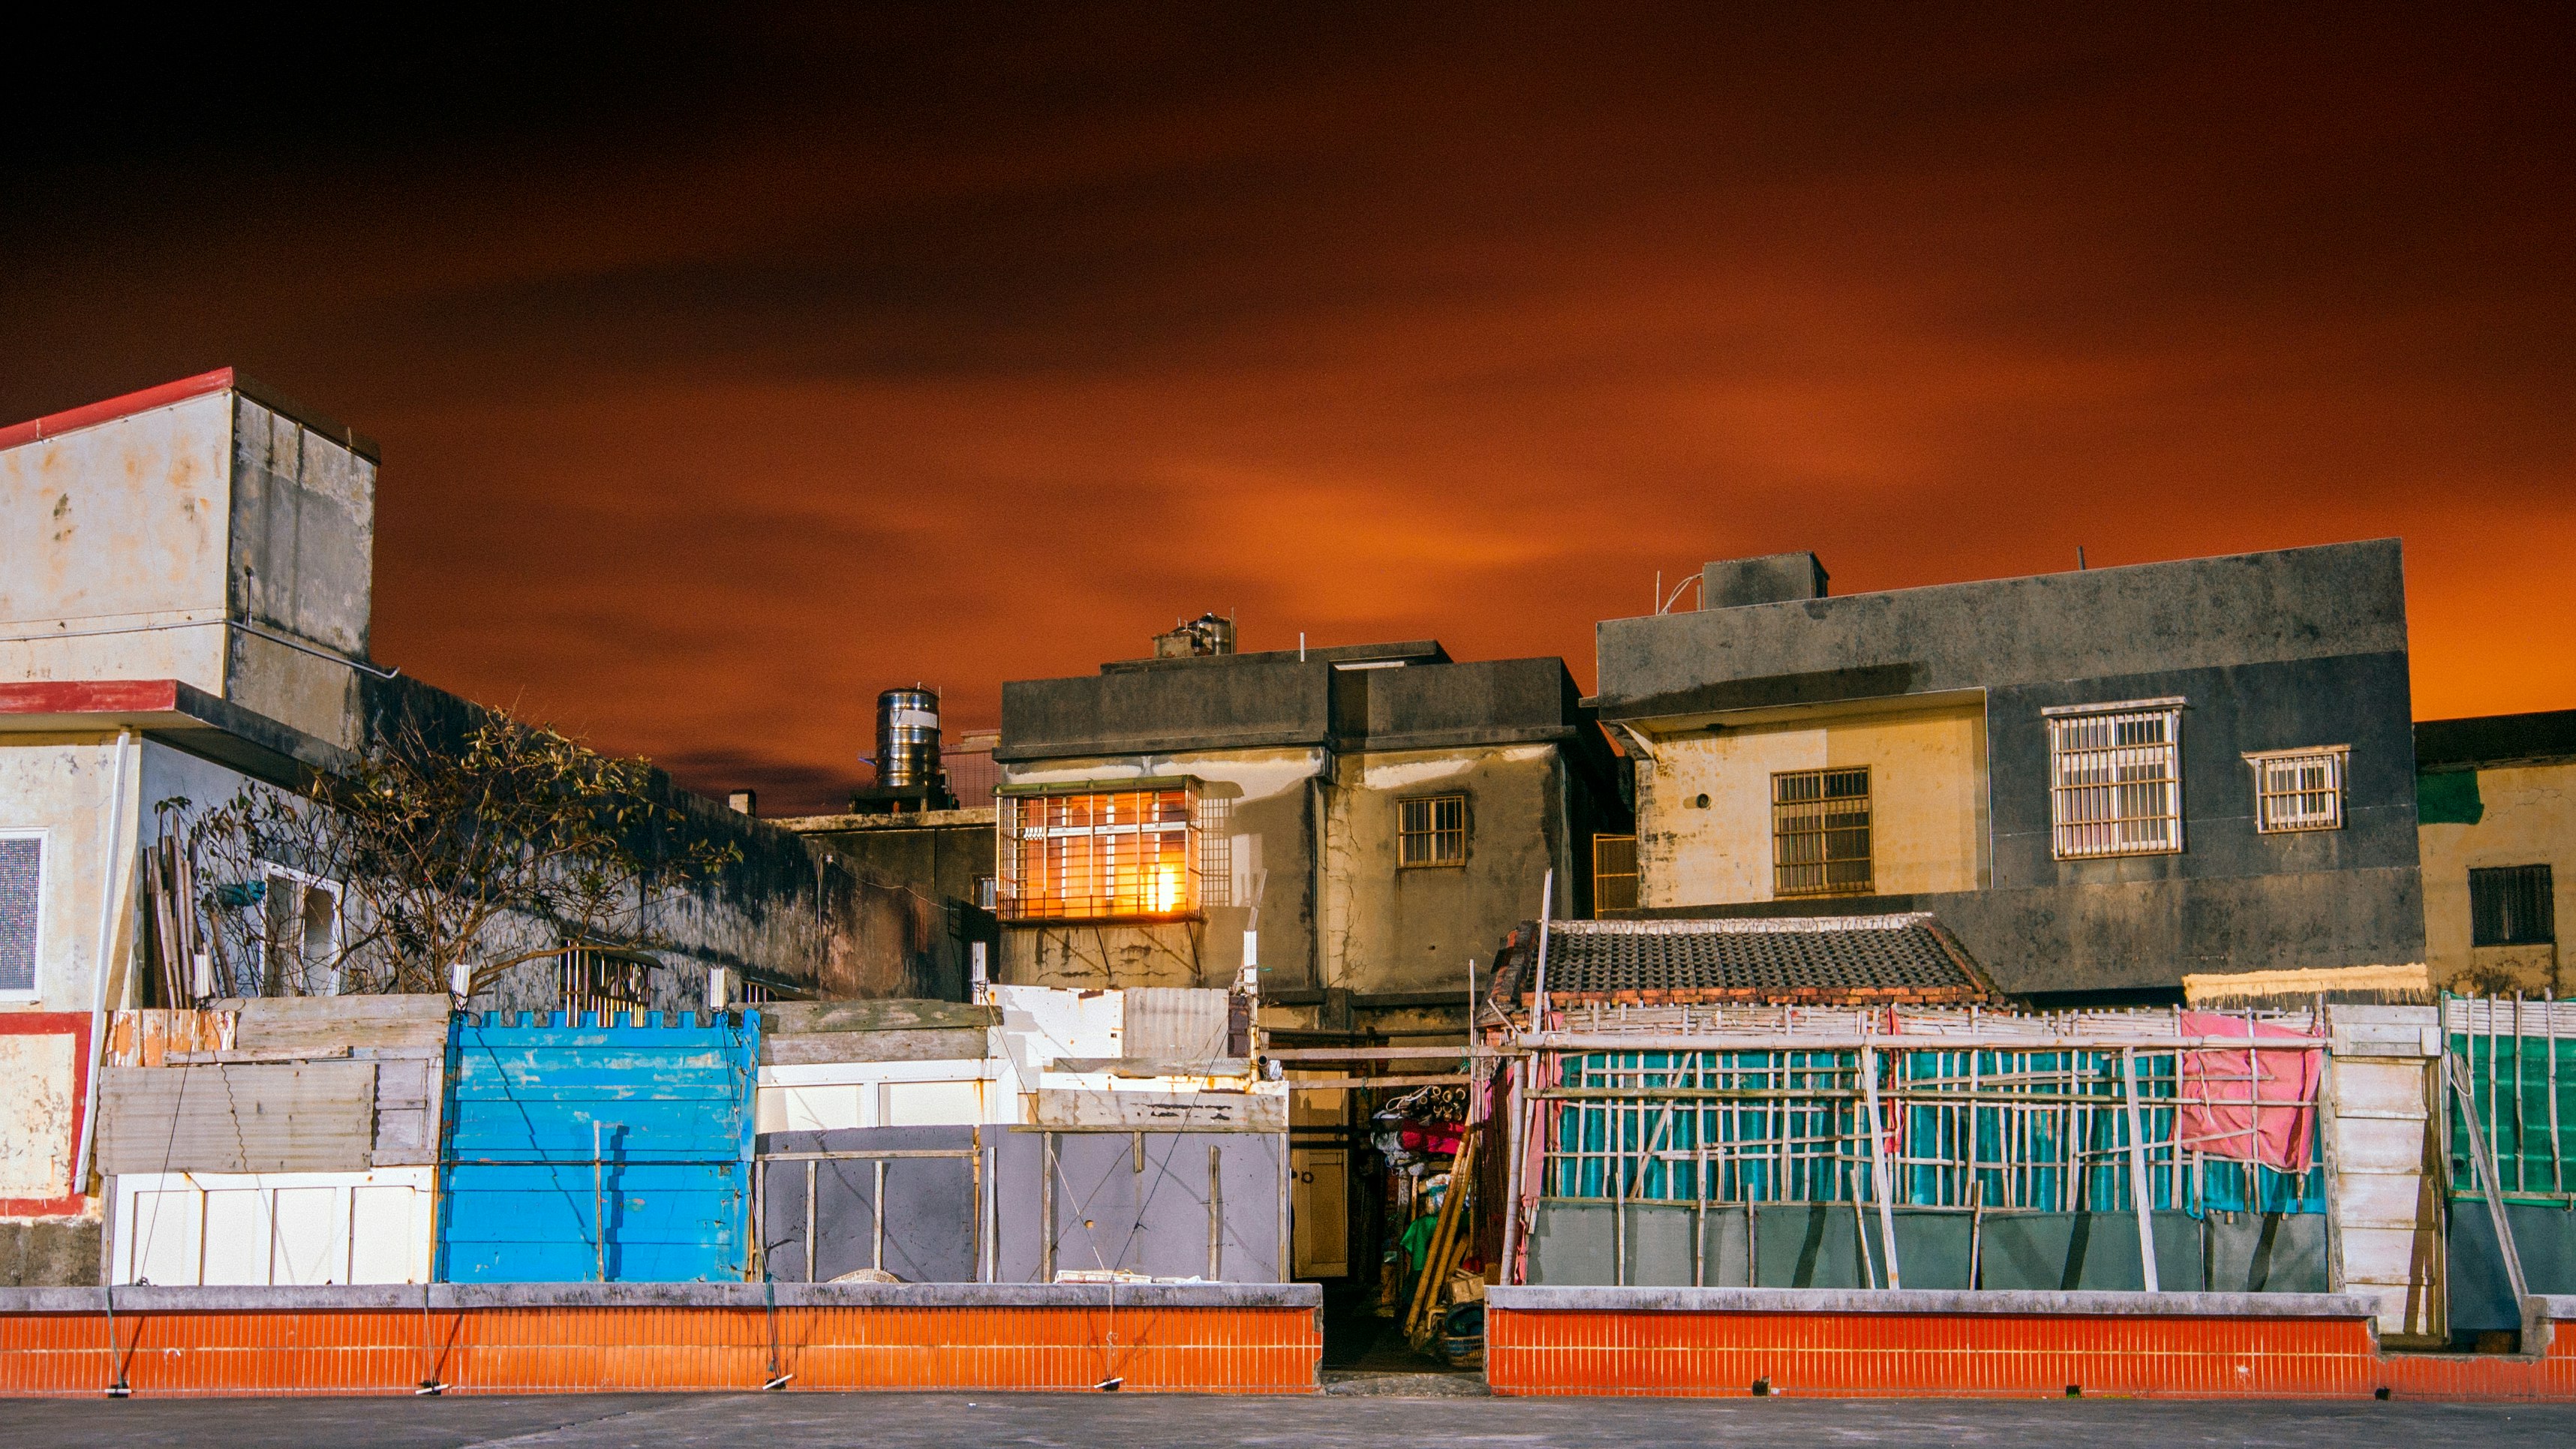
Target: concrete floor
(1134, 1421)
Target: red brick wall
(1869, 1355)
(557, 1350)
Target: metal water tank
(907, 739)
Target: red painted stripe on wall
(92, 414)
(89, 696)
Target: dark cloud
(732, 368)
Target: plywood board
(1081, 1111)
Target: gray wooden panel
(316, 1117)
(407, 1092)
(1081, 1111)
(314, 1023)
(813, 1048)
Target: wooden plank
(823, 1047)
(1138, 1067)
(1336, 1084)
(1061, 1110)
(317, 1117)
(305, 1023)
(1375, 1054)
(407, 1093)
(788, 1018)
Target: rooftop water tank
(907, 739)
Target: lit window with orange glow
(1099, 855)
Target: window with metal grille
(1820, 833)
(2511, 906)
(22, 881)
(1100, 855)
(2115, 773)
(1432, 831)
(1614, 873)
(2298, 789)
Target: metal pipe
(112, 886)
(1216, 1216)
(809, 1219)
(876, 1258)
(1046, 1207)
(598, 1209)
(1538, 989)
(2549, 1024)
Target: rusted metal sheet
(1174, 1023)
(146, 1038)
(1074, 1110)
(315, 1117)
(296, 1023)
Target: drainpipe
(114, 883)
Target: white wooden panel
(2389, 1085)
(2365, 1145)
(2380, 1200)
(237, 1236)
(932, 1104)
(384, 1238)
(2380, 1255)
(162, 1238)
(308, 1242)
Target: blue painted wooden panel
(577, 1152)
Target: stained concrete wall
(2528, 817)
(1928, 789)
(1819, 1246)
(2270, 651)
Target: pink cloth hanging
(2218, 1100)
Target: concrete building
(1358, 823)
(184, 614)
(2496, 815)
(2098, 781)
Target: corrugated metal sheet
(1175, 1024)
(307, 1117)
(576, 1152)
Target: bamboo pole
(1452, 1213)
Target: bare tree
(503, 846)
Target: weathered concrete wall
(2529, 818)
(49, 1252)
(114, 535)
(61, 785)
(1389, 928)
(2269, 651)
(942, 853)
(1928, 826)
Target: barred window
(1820, 833)
(2511, 906)
(22, 879)
(1432, 831)
(1614, 873)
(2115, 773)
(2298, 789)
(1100, 855)
(588, 979)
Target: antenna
(2079, 558)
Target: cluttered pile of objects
(1433, 1272)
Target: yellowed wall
(2530, 819)
(1927, 802)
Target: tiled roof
(1797, 958)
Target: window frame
(34, 989)
(2546, 896)
(1432, 831)
(2337, 760)
(1822, 811)
(1014, 837)
(1633, 875)
(2111, 836)
(305, 883)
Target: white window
(299, 932)
(22, 909)
(2298, 789)
(2115, 778)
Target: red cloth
(2218, 1099)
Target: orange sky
(727, 375)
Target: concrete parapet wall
(1828, 1343)
(569, 1338)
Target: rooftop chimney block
(1777, 578)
